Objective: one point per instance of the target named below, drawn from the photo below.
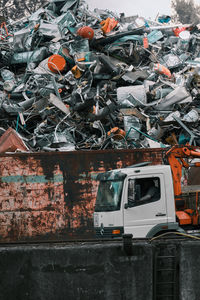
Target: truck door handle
(160, 215)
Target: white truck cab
(136, 200)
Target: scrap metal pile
(72, 79)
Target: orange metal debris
(77, 73)
(56, 63)
(162, 70)
(108, 25)
(145, 41)
(5, 30)
(86, 32)
(178, 30)
(117, 133)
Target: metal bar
(186, 129)
(56, 88)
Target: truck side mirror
(130, 203)
(126, 205)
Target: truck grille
(106, 232)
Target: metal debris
(72, 79)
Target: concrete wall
(99, 271)
(190, 271)
(76, 272)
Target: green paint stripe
(31, 179)
(43, 179)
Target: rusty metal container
(51, 196)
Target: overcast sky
(144, 8)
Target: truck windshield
(109, 195)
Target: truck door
(145, 204)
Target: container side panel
(52, 195)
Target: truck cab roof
(119, 174)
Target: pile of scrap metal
(74, 79)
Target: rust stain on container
(52, 195)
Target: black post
(127, 244)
